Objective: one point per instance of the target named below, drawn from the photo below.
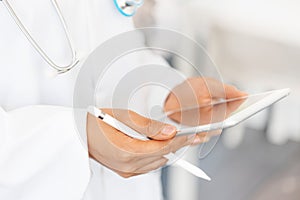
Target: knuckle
(126, 175)
(148, 130)
(128, 169)
(146, 123)
(152, 128)
(132, 113)
(182, 142)
(164, 162)
(185, 140)
(124, 157)
(167, 149)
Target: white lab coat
(41, 155)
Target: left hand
(199, 91)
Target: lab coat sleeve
(37, 155)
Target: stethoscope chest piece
(128, 7)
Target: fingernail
(168, 130)
(199, 140)
(244, 93)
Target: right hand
(128, 156)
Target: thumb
(151, 128)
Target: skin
(190, 103)
(131, 157)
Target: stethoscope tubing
(24, 29)
(75, 60)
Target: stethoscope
(126, 7)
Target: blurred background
(256, 46)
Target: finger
(152, 148)
(204, 137)
(214, 133)
(215, 88)
(151, 166)
(144, 166)
(151, 128)
(126, 144)
(141, 148)
(233, 92)
(200, 138)
(184, 141)
(161, 149)
(218, 89)
(220, 111)
(126, 175)
(234, 105)
(142, 161)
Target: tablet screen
(221, 114)
(232, 111)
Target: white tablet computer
(249, 106)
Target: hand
(190, 102)
(128, 156)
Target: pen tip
(205, 177)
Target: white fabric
(41, 156)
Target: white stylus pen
(134, 134)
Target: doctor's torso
(25, 78)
